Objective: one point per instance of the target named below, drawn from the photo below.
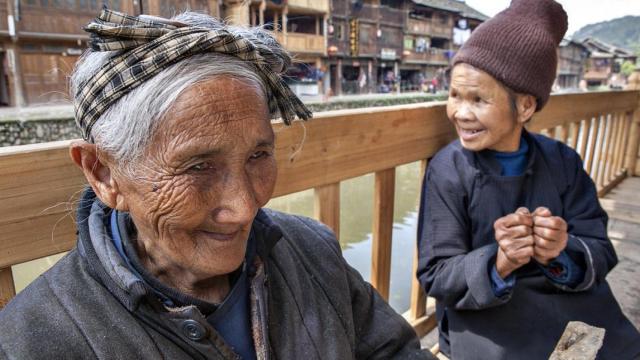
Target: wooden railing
(38, 181)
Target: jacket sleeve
(448, 268)
(588, 244)
(381, 333)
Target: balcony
(392, 16)
(321, 6)
(429, 28)
(431, 56)
(302, 43)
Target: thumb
(542, 211)
(523, 211)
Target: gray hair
(124, 133)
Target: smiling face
(208, 169)
(482, 111)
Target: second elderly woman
(513, 241)
(175, 257)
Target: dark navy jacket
(306, 303)
(462, 197)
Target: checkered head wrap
(144, 46)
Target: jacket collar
(107, 266)
(487, 163)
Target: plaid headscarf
(146, 45)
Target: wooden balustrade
(39, 181)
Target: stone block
(578, 342)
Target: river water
(356, 213)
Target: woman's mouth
(220, 236)
(469, 134)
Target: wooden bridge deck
(622, 204)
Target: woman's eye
(477, 99)
(200, 166)
(258, 155)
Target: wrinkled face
(208, 170)
(480, 108)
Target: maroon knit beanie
(518, 46)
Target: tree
(627, 68)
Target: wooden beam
(424, 324)
(612, 184)
(327, 206)
(562, 133)
(568, 108)
(631, 153)
(7, 288)
(585, 131)
(418, 306)
(611, 145)
(384, 195)
(573, 135)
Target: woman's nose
(236, 201)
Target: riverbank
(36, 124)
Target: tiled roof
(454, 6)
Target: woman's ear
(98, 174)
(526, 105)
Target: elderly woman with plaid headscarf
(175, 257)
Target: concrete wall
(58, 124)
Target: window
(338, 31)
(408, 43)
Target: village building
(572, 60)
(605, 62)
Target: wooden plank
(585, 131)
(611, 145)
(611, 184)
(632, 161)
(568, 108)
(625, 141)
(602, 164)
(619, 145)
(327, 206)
(602, 153)
(418, 307)
(424, 324)
(7, 288)
(573, 135)
(621, 211)
(383, 202)
(594, 147)
(562, 133)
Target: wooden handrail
(39, 183)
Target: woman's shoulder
(308, 234)
(41, 310)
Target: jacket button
(194, 330)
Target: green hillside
(622, 32)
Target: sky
(580, 12)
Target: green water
(356, 213)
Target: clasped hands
(523, 235)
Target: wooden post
(382, 230)
(7, 289)
(13, 60)
(611, 142)
(263, 7)
(593, 142)
(562, 133)
(623, 142)
(617, 149)
(631, 153)
(327, 206)
(418, 297)
(574, 132)
(601, 149)
(584, 139)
